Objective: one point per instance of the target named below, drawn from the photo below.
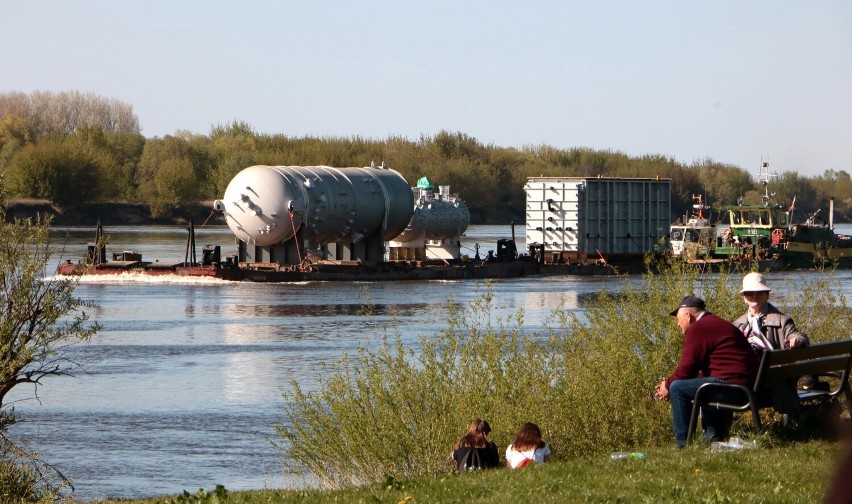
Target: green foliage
(722, 184)
(798, 473)
(40, 319)
(174, 172)
(587, 379)
(819, 308)
(488, 177)
(55, 170)
(175, 184)
(217, 496)
(24, 479)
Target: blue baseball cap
(689, 302)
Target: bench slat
(807, 395)
(815, 366)
(834, 348)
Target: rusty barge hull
(389, 271)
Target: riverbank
(110, 214)
(799, 472)
(139, 214)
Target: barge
(320, 223)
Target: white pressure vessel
(436, 216)
(266, 205)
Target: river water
(184, 382)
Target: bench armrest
(706, 389)
(710, 387)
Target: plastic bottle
(735, 443)
(717, 446)
(623, 455)
(739, 444)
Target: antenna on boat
(764, 177)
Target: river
(184, 382)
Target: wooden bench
(825, 359)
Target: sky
(739, 82)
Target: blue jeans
(715, 423)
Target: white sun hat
(754, 282)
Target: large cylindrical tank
(266, 205)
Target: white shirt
(513, 457)
(755, 334)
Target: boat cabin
(757, 216)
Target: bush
(56, 171)
(587, 379)
(23, 478)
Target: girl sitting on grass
(528, 447)
(474, 450)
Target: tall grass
(587, 379)
(25, 479)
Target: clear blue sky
(735, 81)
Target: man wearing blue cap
(714, 350)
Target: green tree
(837, 185)
(176, 186)
(41, 321)
(183, 146)
(722, 184)
(126, 150)
(791, 185)
(41, 325)
(60, 172)
(15, 132)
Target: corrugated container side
(583, 217)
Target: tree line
(76, 148)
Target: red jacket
(712, 346)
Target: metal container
(267, 205)
(590, 217)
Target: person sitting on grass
(528, 448)
(474, 450)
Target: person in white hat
(768, 329)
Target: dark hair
(528, 438)
(477, 435)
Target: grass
(793, 473)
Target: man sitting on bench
(714, 350)
(768, 329)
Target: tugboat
(814, 243)
(766, 232)
(695, 238)
(754, 231)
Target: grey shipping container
(589, 217)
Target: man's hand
(662, 391)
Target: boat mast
(764, 177)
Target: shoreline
(139, 214)
(109, 214)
